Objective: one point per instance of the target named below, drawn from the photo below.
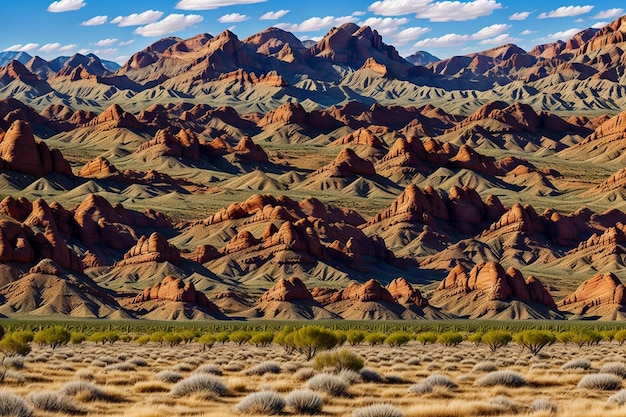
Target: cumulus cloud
(488, 33)
(138, 19)
(520, 16)
(50, 47)
(274, 15)
(566, 11)
(600, 25)
(609, 13)
(436, 11)
(65, 5)
(384, 25)
(25, 48)
(563, 35)
(358, 13)
(233, 18)
(527, 32)
(172, 23)
(124, 43)
(212, 4)
(95, 21)
(409, 35)
(315, 23)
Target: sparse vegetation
(504, 378)
(338, 360)
(305, 401)
(264, 403)
(604, 382)
(204, 384)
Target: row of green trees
(307, 340)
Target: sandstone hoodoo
(601, 296)
(488, 291)
(154, 248)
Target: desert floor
(126, 374)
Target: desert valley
(214, 177)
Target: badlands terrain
(214, 177)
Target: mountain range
(214, 177)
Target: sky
(115, 29)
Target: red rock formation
(14, 243)
(19, 208)
(369, 291)
(150, 249)
(175, 289)
(601, 289)
(92, 260)
(491, 279)
(20, 152)
(291, 289)
(468, 158)
(362, 136)
(115, 117)
(287, 113)
(404, 293)
(347, 164)
(183, 145)
(246, 151)
(202, 254)
(271, 78)
(99, 167)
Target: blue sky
(115, 29)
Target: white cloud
(95, 21)
(172, 23)
(50, 47)
(488, 33)
(500, 40)
(438, 11)
(69, 47)
(315, 24)
(609, 14)
(106, 42)
(600, 25)
(566, 11)
(15, 47)
(274, 15)
(65, 5)
(527, 32)
(124, 43)
(384, 25)
(212, 4)
(107, 52)
(448, 11)
(409, 35)
(312, 38)
(358, 13)
(26, 47)
(520, 16)
(563, 35)
(233, 18)
(138, 19)
(84, 51)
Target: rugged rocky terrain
(215, 177)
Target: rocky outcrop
(600, 290)
(98, 167)
(361, 136)
(182, 145)
(154, 248)
(20, 152)
(496, 283)
(115, 117)
(372, 290)
(346, 164)
(290, 289)
(175, 289)
(404, 293)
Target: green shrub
(206, 341)
(240, 337)
(142, 340)
(339, 360)
(496, 339)
(222, 337)
(309, 340)
(23, 336)
(586, 337)
(105, 337)
(397, 339)
(77, 338)
(172, 339)
(262, 339)
(355, 337)
(450, 338)
(620, 336)
(427, 337)
(375, 338)
(53, 336)
(11, 347)
(534, 340)
(475, 338)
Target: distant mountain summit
(422, 58)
